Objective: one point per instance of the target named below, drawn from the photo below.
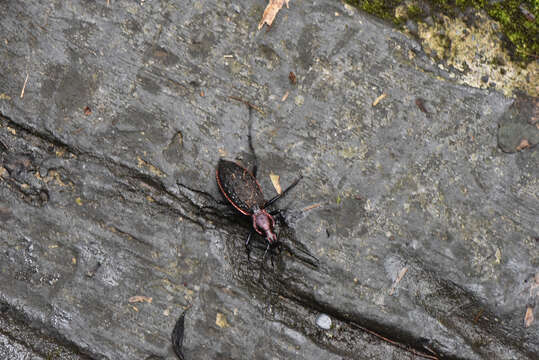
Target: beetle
(241, 188)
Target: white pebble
(323, 321)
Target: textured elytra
(239, 186)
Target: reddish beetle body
(242, 190)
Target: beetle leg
(265, 253)
(247, 248)
(272, 221)
(270, 249)
(277, 197)
(279, 249)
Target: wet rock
(517, 128)
(412, 27)
(97, 209)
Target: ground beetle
(242, 190)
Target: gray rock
(411, 25)
(98, 208)
(518, 128)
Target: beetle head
(263, 223)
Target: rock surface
(425, 230)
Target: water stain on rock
(173, 151)
(162, 56)
(517, 125)
(69, 88)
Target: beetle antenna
(250, 138)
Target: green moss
(414, 12)
(383, 9)
(521, 33)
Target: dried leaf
(498, 255)
(528, 318)
(140, 298)
(271, 11)
(275, 181)
(220, 320)
(523, 145)
(378, 99)
(292, 78)
(285, 96)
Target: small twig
(378, 99)
(246, 103)
(397, 344)
(421, 105)
(478, 316)
(310, 207)
(397, 280)
(140, 298)
(24, 86)
(429, 349)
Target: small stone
(412, 27)
(221, 321)
(44, 196)
(484, 78)
(323, 321)
(236, 8)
